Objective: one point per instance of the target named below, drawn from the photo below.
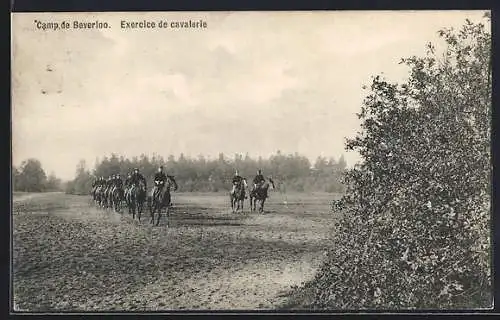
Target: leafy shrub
(414, 222)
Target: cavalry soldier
(258, 180)
(102, 183)
(109, 183)
(113, 183)
(127, 182)
(159, 181)
(119, 184)
(95, 184)
(137, 177)
(237, 180)
(119, 181)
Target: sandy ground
(69, 255)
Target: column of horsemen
(112, 191)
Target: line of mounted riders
(113, 191)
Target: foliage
(414, 222)
(82, 183)
(53, 183)
(30, 177)
(292, 172)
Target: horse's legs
(139, 210)
(159, 214)
(152, 210)
(133, 208)
(167, 215)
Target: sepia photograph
(246, 161)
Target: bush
(414, 222)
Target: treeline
(30, 177)
(291, 172)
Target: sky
(251, 82)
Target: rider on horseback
(159, 182)
(258, 180)
(127, 182)
(95, 185)
(135, 178)
(98, 184)
(237, 181)
(118, 182)
(108, 183)
(113, 183)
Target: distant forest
(30, 177)
(291, 172)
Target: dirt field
(69, 255)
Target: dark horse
(135, 198)
(94, 193)
(108, 197)
(98, 195)
(102, 196)
(117, 198)
(161, 198)
(260, 193)
(238, 196)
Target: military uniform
(258, 181)
(159, 182)
(136, 178)
(237, 180)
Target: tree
(15, 178)
(414, 223)
(82, 183)
(342, 164)
(53, 183)
(30, 177)
(205, 174)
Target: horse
(161, 198)
(238, 196)
(135, 198)
(117, 198)
(97, 195)
(102, 196)
(94, 193)
(109, 197)
(260, 194)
